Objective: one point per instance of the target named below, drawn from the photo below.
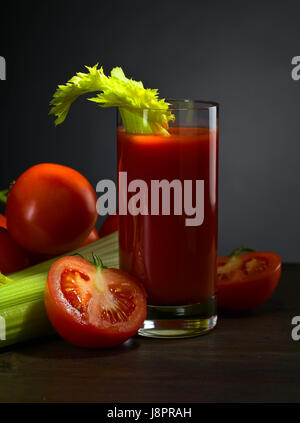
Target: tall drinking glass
(168, 238)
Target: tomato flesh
(91, 307)
(123, 308)
(247, 280)
(72, 285)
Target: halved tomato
(92, 306)
(247, 280)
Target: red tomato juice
(176, 263)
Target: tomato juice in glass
(176, 263)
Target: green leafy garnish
(140, 109)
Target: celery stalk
(22, 293)
(25, 321)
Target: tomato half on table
(247, 280)
(92, 306)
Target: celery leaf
(140, 108)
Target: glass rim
(200, 104)
(197, 105)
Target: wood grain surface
(249, 357)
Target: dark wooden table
(249, 357)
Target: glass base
(183, 321)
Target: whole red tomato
(12, 256)
(92, 306)
(51, 209)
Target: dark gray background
(235, 52)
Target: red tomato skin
(248, 293)
(51, 209)
(3, 221)
(93, 236)
(12, 257)
(39, 258)
(110, 225)
(72, 329)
